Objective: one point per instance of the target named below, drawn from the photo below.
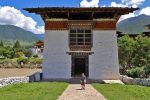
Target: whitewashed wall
(57, 63)
(103, 64)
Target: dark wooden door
(79, 66)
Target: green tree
(2, 49)
(126, 49)
(17, 44)
(28, 53)
(141, 51)
(1, 44)
(8, 52)
(134, 56)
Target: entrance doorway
(80, 65)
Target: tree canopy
(17, 44)
(134, 56)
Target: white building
(38, 48)
(80, 40)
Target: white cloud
(128, 3)
(145, 11)
(93, 3)
(84, 3)
(11, 16)
(123, 17)
(103, 6)
(133, 3)
(114, 4)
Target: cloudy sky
(12, 13)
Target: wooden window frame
(73, 34)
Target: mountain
(134, 25)
(10, 32)
(40, 36)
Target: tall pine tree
(17, 44)
(1, 44)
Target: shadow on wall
(36, 77)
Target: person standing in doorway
(83, 81)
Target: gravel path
(73, 92)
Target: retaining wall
(13, 80)
(135, 81)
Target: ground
(33, 91)
(74, 92)
(53, 90)
(123, 92)
(17, 72)
(60, 91)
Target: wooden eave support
(68, 10)
(80, 53)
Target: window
(80, 37)
(87, 31)
(80, 31)
(72, 31)
(72, 35)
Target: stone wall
(13, 80)
(135, 81)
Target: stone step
(77, 80)
(113, 81)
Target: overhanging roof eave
(72, 9)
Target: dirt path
(73, 92)
(17, 72)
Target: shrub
(18, 54)
(28, 53)
(36, 60)
(147, 71)
(8, 63)
(35, 56)
(137, 72)
(1, 61)
(22, 60)
(6, 52)
(2, 58)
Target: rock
(137, 81)
(13, 80)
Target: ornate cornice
(102, 24)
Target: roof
(80, 9)
(74, 13)
(147, 25)
(39, 43)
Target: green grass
(33, 91)
(123, 92)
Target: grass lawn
(33, 91)
(123, 92)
